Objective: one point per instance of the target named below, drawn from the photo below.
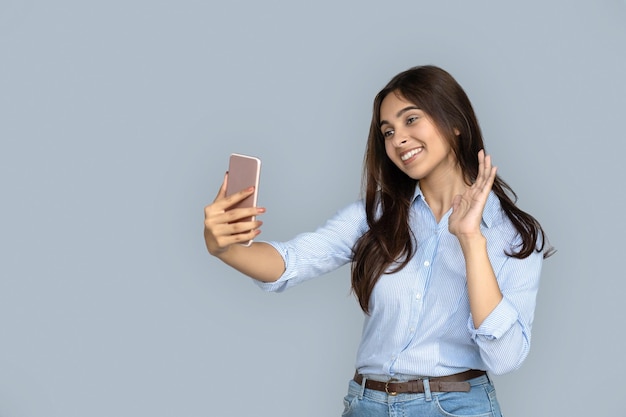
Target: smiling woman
(444, 265)
(413, 142)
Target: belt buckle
(392, 393)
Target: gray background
(116, 122)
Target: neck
(439, 192)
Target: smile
(408, 155)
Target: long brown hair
(388, 191)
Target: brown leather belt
(451, 383)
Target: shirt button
(418, 296)
(426, 263)
(412, 329)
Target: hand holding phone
(244, 172)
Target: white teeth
(410, 154)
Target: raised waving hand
(467, 208)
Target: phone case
(243, 172)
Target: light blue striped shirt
(420, 322)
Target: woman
(444, 265)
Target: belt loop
(427, 394)
(362, 387)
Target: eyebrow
(400, 113)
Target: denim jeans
(480, 401)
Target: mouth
(407, 156)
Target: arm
(464, 223)
(502, 290)
(223, 236)
(504, 336)
(312, 254)
(482, 286)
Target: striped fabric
(420, 322)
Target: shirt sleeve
(312, 254)
(504, 336)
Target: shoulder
(497, 226)
(354, 209)
(352, 214)
(493, 213)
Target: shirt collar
(490, 212)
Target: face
(413, 142)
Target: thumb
(222, 192)
(456, 202)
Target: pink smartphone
(243, 171)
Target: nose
(400, 138)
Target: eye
(411, 119)
(387, 133)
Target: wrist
(223, 253)
(472, 241)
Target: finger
(238, 232)
(478, 181)
(456, 202)
(214, 216)
(489, 171)
(221, 234)
(227, 229)
(227, 240)
(485, 169)
(223, 202)
(487, 181)
(236, 215)
(492, 177)
(222, 191)
(244, 227)
(481, 156)
(244, 237)
(484, 163)
(487, 163)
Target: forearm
(259, 261)
(482, 286)
(504, 336)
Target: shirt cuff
(501, 319)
